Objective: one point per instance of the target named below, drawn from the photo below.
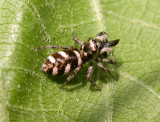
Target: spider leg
(89, 74)
(100, 65)
(77, 40)
(57, 47)
(108, 61)
(72, 75)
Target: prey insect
(72, 59)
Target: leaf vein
(41, 22)
(136, 21)
(97, 8)
(141, 83)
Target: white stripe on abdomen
(67, 69)
(78, 57)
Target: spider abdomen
(62, 62)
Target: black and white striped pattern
(62, 62)
(72, 59)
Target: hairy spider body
(62, 62)
(72, 60)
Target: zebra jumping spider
(72, 59)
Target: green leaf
(27, 94)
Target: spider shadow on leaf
(105, 77)
(77, 82)
(80, 80)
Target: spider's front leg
(89, 74)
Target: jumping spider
(72, 59)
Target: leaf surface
(27, 94)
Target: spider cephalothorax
(72, 59)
